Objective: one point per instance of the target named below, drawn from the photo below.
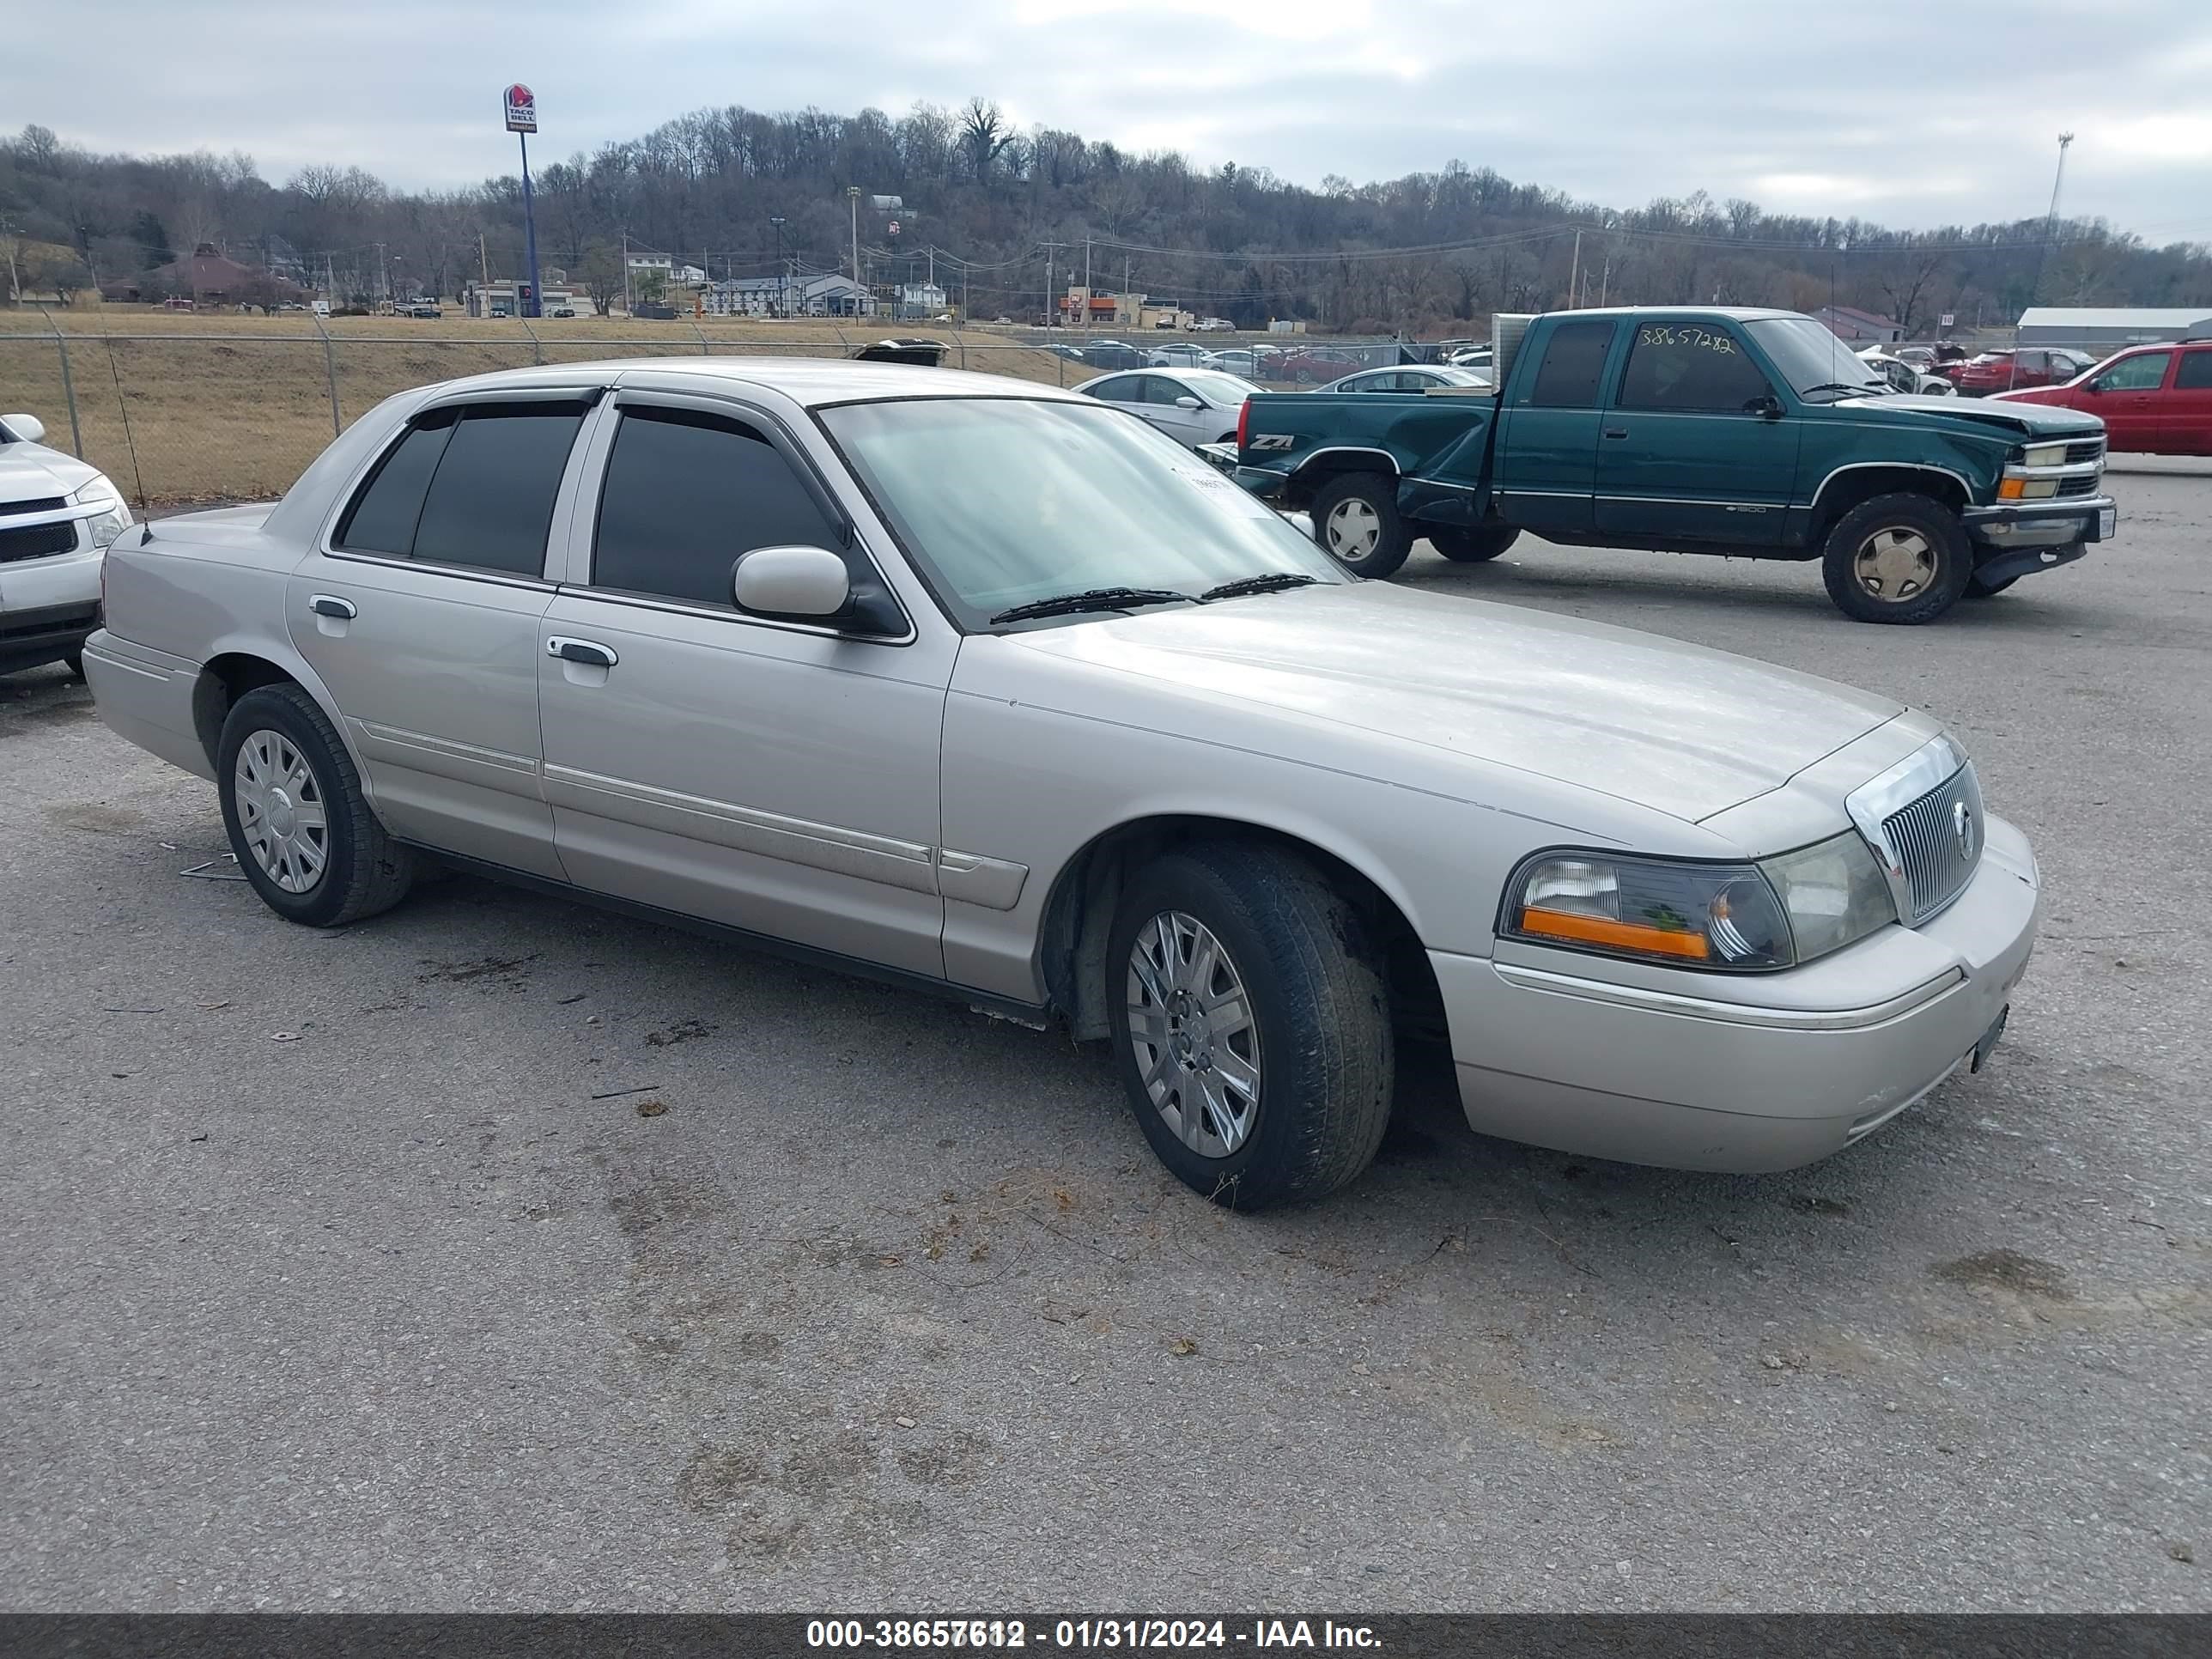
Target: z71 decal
(1272, 441)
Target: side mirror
(26, 429)
(1188, 402)
(809, 582)
(2091, 387)
(1766, 406)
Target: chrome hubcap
(1354, 528)
(1191, 1033)
(1895, 564)
(281, 815)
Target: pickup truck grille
(1938, 841)
(2086, 485)
(37, 541)
(2089, 449)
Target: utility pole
(1575, 269)
(484, 262)
(1086, 284)
(625, 259)
(783, 287)
(2051, 220)
(383, 271)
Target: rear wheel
(1901, 558)
(1355, 519)
(299, 823)
(1251, 1024)
(1472, 546)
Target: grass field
(226, 407)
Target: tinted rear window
(382, 518)
(2195, 374)
(491, 502)
(1573, 360)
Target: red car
(2156, 400)
(2005, 371)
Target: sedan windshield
(1004, 502)
(1810, 358)
(1218, 387)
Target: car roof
(1734, 313)
(811, 382)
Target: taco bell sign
(521, 109)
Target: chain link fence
(234, 408)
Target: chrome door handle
(329, 604)
(584, 651)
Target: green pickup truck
(1751, 433)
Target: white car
(1907, 377)
(1213, 326)
(1193, 406)
(1181, 355)
(982, 688)
(57, 516)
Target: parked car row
(2152, 399)
(57, 516)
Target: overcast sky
(1913, 112)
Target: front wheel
(1251, 1024)
(298, 822)
(1473, 546)
(1355, 519)
(1902, 558)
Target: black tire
(1319, 1036)
(75, 663)
(1478, 545)
(1923, 529)
(1393, 540)
(363, 871)
(1978, 588)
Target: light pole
(853, 196)
(2049, 233)
(783, 277)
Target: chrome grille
(2089, 449)
(2081, 486)
(1926, 838)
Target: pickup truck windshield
(1003, 501)
(1809, 356)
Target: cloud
(1893, 110)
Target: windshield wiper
(1274, 582)
(1839, 385)
(1092, 598)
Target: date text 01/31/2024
(1083, 1634)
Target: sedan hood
(1677, 727)
(30, 472)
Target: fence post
(69, 386)
(329, 372)
(701, 333)
(536, 345)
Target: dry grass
(226, 407)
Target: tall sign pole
(522, 121)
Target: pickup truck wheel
(1475, 546)
(1901, 558)
(1251, 1024)
(1355, 519)
(299, 824)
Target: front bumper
(2033, 525)
(48, 605)
(1625, 1069)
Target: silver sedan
(1412, 377)
(989, 691)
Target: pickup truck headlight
(113, 517)
(2044, 455)
(1718, 917)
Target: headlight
(114, 516)
(1722, 917)
(2045, 455)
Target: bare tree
(983, 136)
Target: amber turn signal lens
(1621, 935)
(2009, 488)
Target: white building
(2107, 328)
(642, 264)
(921, 299)
(753, 296)
(835, 296)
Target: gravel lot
(329, 1282)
